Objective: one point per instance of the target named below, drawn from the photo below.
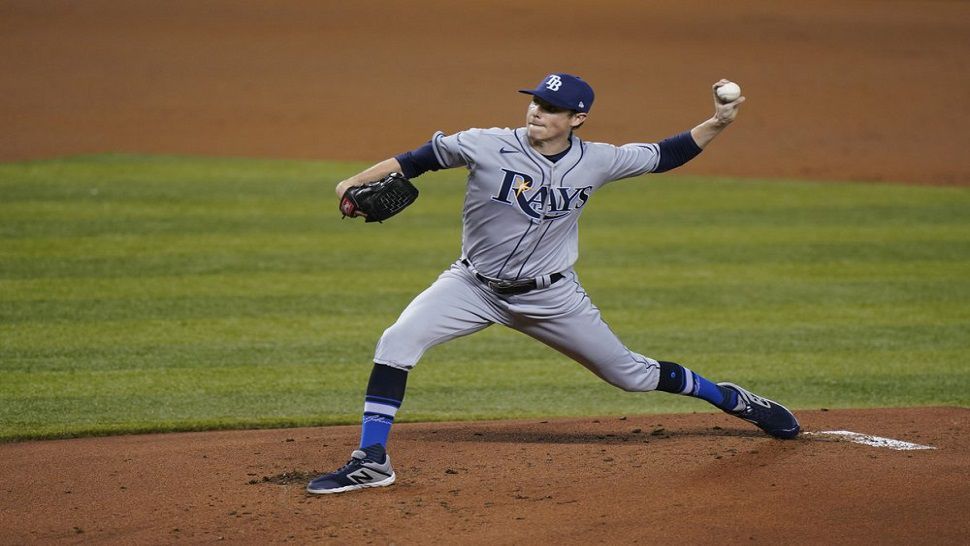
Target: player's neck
(551, 146)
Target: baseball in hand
(729, 92)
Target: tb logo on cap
(553, 83)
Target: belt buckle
(509, 287)
(499, 286)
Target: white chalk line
(875, 441)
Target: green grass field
(158, 293)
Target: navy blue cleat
(768, 415)
(368, 467)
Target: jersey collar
(574, 144)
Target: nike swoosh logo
(502, 150)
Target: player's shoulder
(502, 131)
(491, 132)
(605, 148)
(593, 146)
(476, 133)
(593, 149)
(477, 138)
(606, 156)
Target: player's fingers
(733, 104)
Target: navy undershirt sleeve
(676, 150)
(417, 162)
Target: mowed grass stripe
(234, 349)
(699, 329)
(836, 276)
(225, 379)
(227, 260)
(845, 301)
(141, 293)
(658, 237)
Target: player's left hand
(379, 200)
(725, 112)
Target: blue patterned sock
(680, 380)
(378, 418)
(385, 392)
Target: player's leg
(451, 307)
(385, 394)
(677, 379)
(576, 328)
(768, 415)
(563, 317)
(370, 466)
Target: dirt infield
(698, 478)
(839, 90)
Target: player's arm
(411, 164)
(679, 149)
(371, 174)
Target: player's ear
(578, 119)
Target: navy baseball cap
(565, 91)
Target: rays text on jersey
(543, 202)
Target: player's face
(546, 122)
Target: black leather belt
(508, 287)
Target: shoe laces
(357, 458)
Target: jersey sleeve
(632, 160)
(449, 150)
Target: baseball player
(526, 190)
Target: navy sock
(680, 380)
(385, 392)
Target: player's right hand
(725, 112)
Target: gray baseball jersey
(522, 210)
(520, 221)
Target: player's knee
(626, 382)
(633, 386)
(632, 376)
(399, 335)
(399, 347)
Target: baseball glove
(379, 200)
